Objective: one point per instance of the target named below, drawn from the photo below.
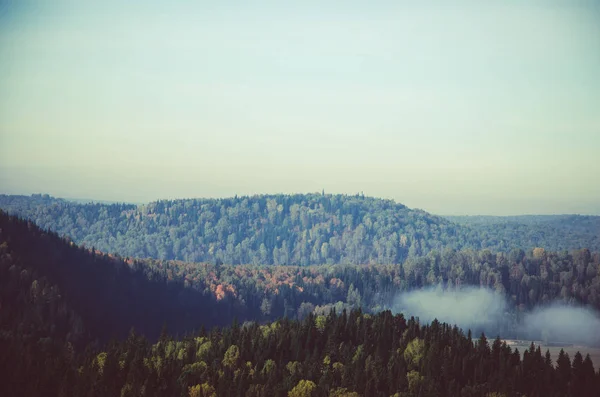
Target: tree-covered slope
(346, 354)
(527, 280)
(148, 293)
(283, 229)
(56, 299)
(51, 288)
(561, 232)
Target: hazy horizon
(470, 109)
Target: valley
(299, 199)
(77, 296)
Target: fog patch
(484, 310)
(564, 324)
(478, 309)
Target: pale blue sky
(475, 108)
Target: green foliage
(204, 347)
(203, 390)
(338, 367)
(414, 352)
(304, 388)
(358, 354)
(294, 368)
(197, 368)
(343, 392)
(268, 367)
(320, 322)
(232, 355)
(100, 361)
(415, 382)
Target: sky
(471, 108)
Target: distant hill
(300, 229)
(556, 232)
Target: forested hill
(49, 282)
(56, 298)
(561, 232)
(282, 229)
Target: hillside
(561, 232)
(339, 355)
(285, 229)
(148, 293)
(297, 229)
(49, 287)
(58, 300)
